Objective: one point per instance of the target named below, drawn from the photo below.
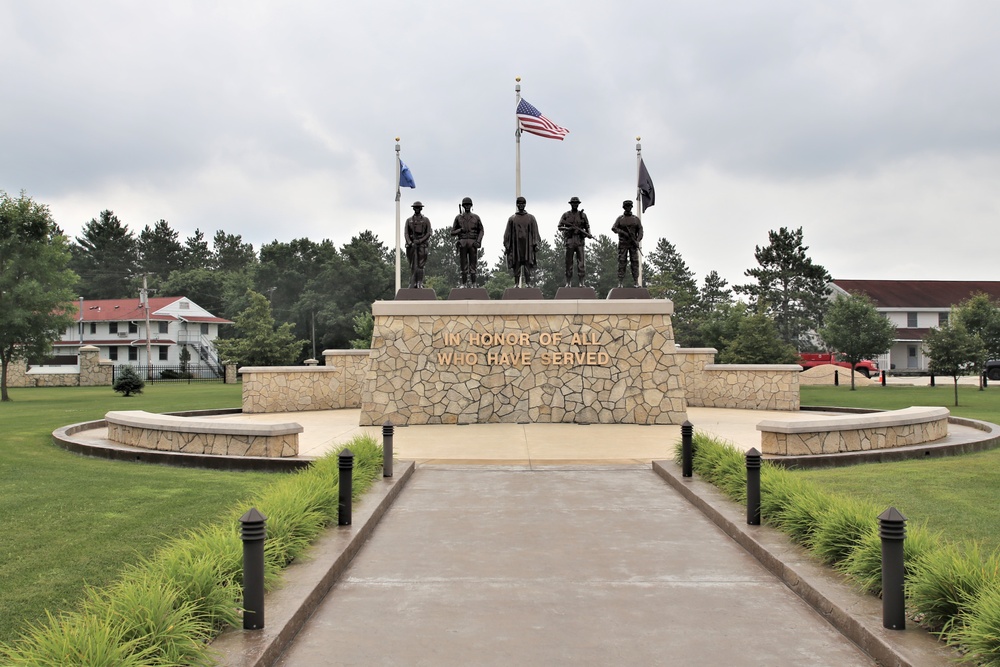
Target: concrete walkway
(559, 566)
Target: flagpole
(638, 197)
(397, 216)
(517, 139)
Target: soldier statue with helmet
(575, 229)
(468, 232)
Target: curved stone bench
(138, 428)
(853, 433)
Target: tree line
(325, 292)
(296, 298)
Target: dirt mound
(824, 375)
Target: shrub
(128, 381)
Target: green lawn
(955, 495)
(69, 520)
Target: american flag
(531, 120)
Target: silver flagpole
(517, 139)
(638, 198)
(397, 216)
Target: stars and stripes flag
(532, 121)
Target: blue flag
(405, 177)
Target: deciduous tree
(953, 351)
(757, 341)
(36, 284)
(856, 330)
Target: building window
(161, 327)
(133, 327)
(204, 329)
(113, 353)
(93, 327)
(163, 352)
(911, 320)
(133, 354)
(942, 319)
(112, 327)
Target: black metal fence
(174, 373)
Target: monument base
(469, 294)
(585, 361)
(629, 293)
(416, 294)
(576, 293)
(522, 293)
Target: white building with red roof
(124, 329)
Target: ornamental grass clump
(165, 610)
(945, 582)
(841, 527)
(979, 634)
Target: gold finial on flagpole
(397, 138)
(518, 79)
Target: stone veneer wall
(295, 388)
(92, 372)
(556, 361)
(746, 386)
(355, 365)
(741, 386)
(861, 438)
(193, 438)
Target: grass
(955, 495)
(69, 521)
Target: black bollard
(387, 429)
(253, 532)
(883, 378)
(687, 435)
(345, 467)
(892, 530)
(836, 378)
(932, 379)
(986, 380)
(753, 487)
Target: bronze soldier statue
(575, 229)
(418, 234)
(629, 230)
(520, 243)
(468, 230)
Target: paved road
(595, 566)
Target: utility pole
(144, 299)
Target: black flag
(646, 190)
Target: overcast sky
(875, 126)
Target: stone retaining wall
(297, 388)
(137, 428)
(853, 433)
(743, 386)
(461, 362)
(92, 372)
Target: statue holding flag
(418, 234)
(520, 243)
(468, 232)
(629, 230)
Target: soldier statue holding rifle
(629, 230)
(418, 234)
(468, 233)
(575, 229)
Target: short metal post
(883, 378)
(387, 430)
(892, 530)
(836, 378)
(986, 380)
(753, 487)
(253, 532)
(687, 435)
(345, 467)
(932, 379)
